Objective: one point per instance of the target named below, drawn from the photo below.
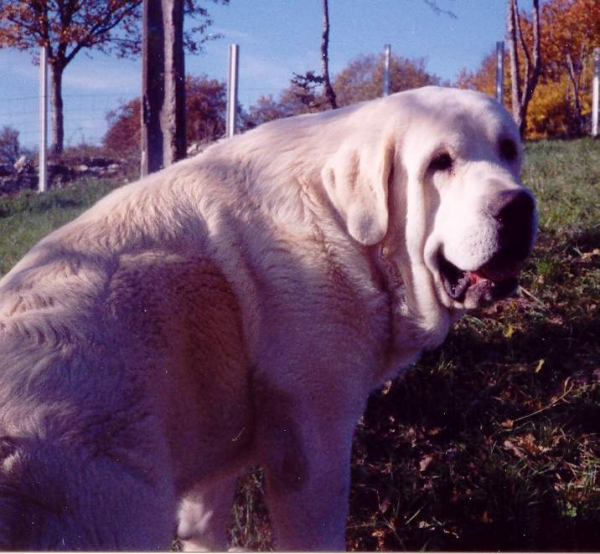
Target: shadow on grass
(480, 447)
(488, 444)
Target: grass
(28, 216)
(491, 441)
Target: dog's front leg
(204, 514)
(306, 458)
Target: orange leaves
(66, 26)
(524, 445)
(483, 80)
(18, 25)
(571, 28)
(569, 31)
(362, 79)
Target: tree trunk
(329, 92)
(173, 113)
(152, 86)
(56, 102)
(574, 73)
(513, 50)
(163, 76)
(523, 87)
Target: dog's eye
(508, 150)
(442, 162)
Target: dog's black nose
(513, 208)
(514, 211)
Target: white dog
(237, 309)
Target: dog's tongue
(476, 276)
(490, 274)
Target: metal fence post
(232, 93)
(500, 72)
(595, 92)
(386, 70)
(43, 154)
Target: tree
(525, 60)
(123, 137)
(206, 100)
(329, 92)
(483, 78)
(362, 79)
(307, 90)
(570, 32)
(434, 6)
(163, 81)
(68, 27)
(10, 149)
(266, 108)
(298, 98)
(560, 105)
(307, 84)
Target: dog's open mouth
(484, 285)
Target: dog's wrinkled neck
(410, 331)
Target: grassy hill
(491, 442)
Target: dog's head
(433, 176)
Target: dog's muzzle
(515, 216)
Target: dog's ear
(356, 179)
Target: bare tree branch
(329, 92)
(433, 5)
(523, 79)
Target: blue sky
(276, 38)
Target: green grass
(491, 441)
(28, 216)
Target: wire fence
(85, 117)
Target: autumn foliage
(65, 29)
(206, 101)
(360, 80)
(561, 103)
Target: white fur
(236, 309)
